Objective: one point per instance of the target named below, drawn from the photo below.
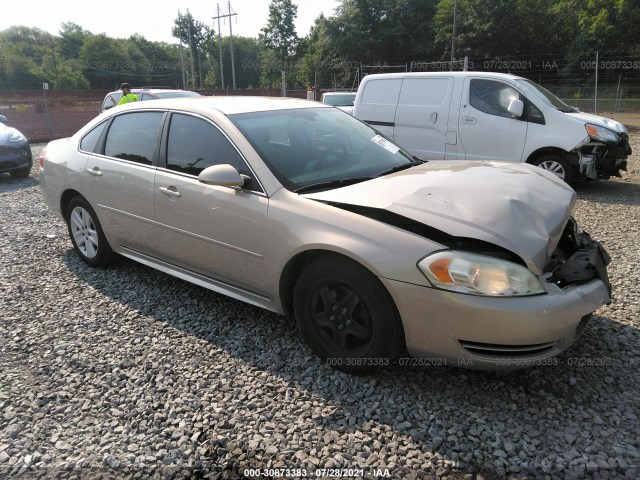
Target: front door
(486, 129)
(216, 231)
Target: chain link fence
(44, 116)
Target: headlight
(600, 133)
(479, 275)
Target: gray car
(304, 210)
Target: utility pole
(220, 49)
(233, 63)
(193, 71)
(595, 96)
(233, 67)
(453, 34)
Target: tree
(195, 35)
(106, 62)
(72, 37)
(279, 35)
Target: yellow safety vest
(129, 97)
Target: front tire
(86, 233)
(557, 165)
(24, 173)
(346, 316)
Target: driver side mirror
(516, 108)
(223, 175)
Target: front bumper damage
(598, 160)
(508, 333)
(578, 259)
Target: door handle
(434, 117)
(95, 171)
(170, 192)
(469, 120)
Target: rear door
(422, 116)
(486, 129)
(121, 178)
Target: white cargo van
(491, 116)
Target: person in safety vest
(127, 96)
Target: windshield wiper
(399, 168)
(341, 182)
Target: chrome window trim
(242, 157)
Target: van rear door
(486, 129)
(422, 115)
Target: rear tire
(346, 316)
(86, 233)
(557, 165)
(20, 173)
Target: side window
(492, 97)
(195, 144)
(133, 136)
(425, 92)
(534, 115)
(145, 96)
(110, 101)
(88, 142)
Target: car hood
(600, 121)
(515, 206)
(9, 135)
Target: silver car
(304, 210)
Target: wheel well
(67, 196)
(552, 151)
(294, 268)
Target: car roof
(227, 105)
(152, 90)
(375, 76)
(339, 93)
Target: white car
(343, 100)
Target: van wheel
(557, 165)
(346, 316)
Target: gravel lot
(129, 373)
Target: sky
(153, 19)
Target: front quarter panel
(312, 225)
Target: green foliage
(338, 49)
(194, 34)
(279, 35)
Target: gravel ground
(126, 372)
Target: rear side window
(133, 137)
(111, 100)
(425, 92)
(492, 97)
(195, 144)
(88, 142)
(382, 92)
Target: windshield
(316, 146)
(342, 100)
(545, 95)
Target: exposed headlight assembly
(477, 274)
(601, 134)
